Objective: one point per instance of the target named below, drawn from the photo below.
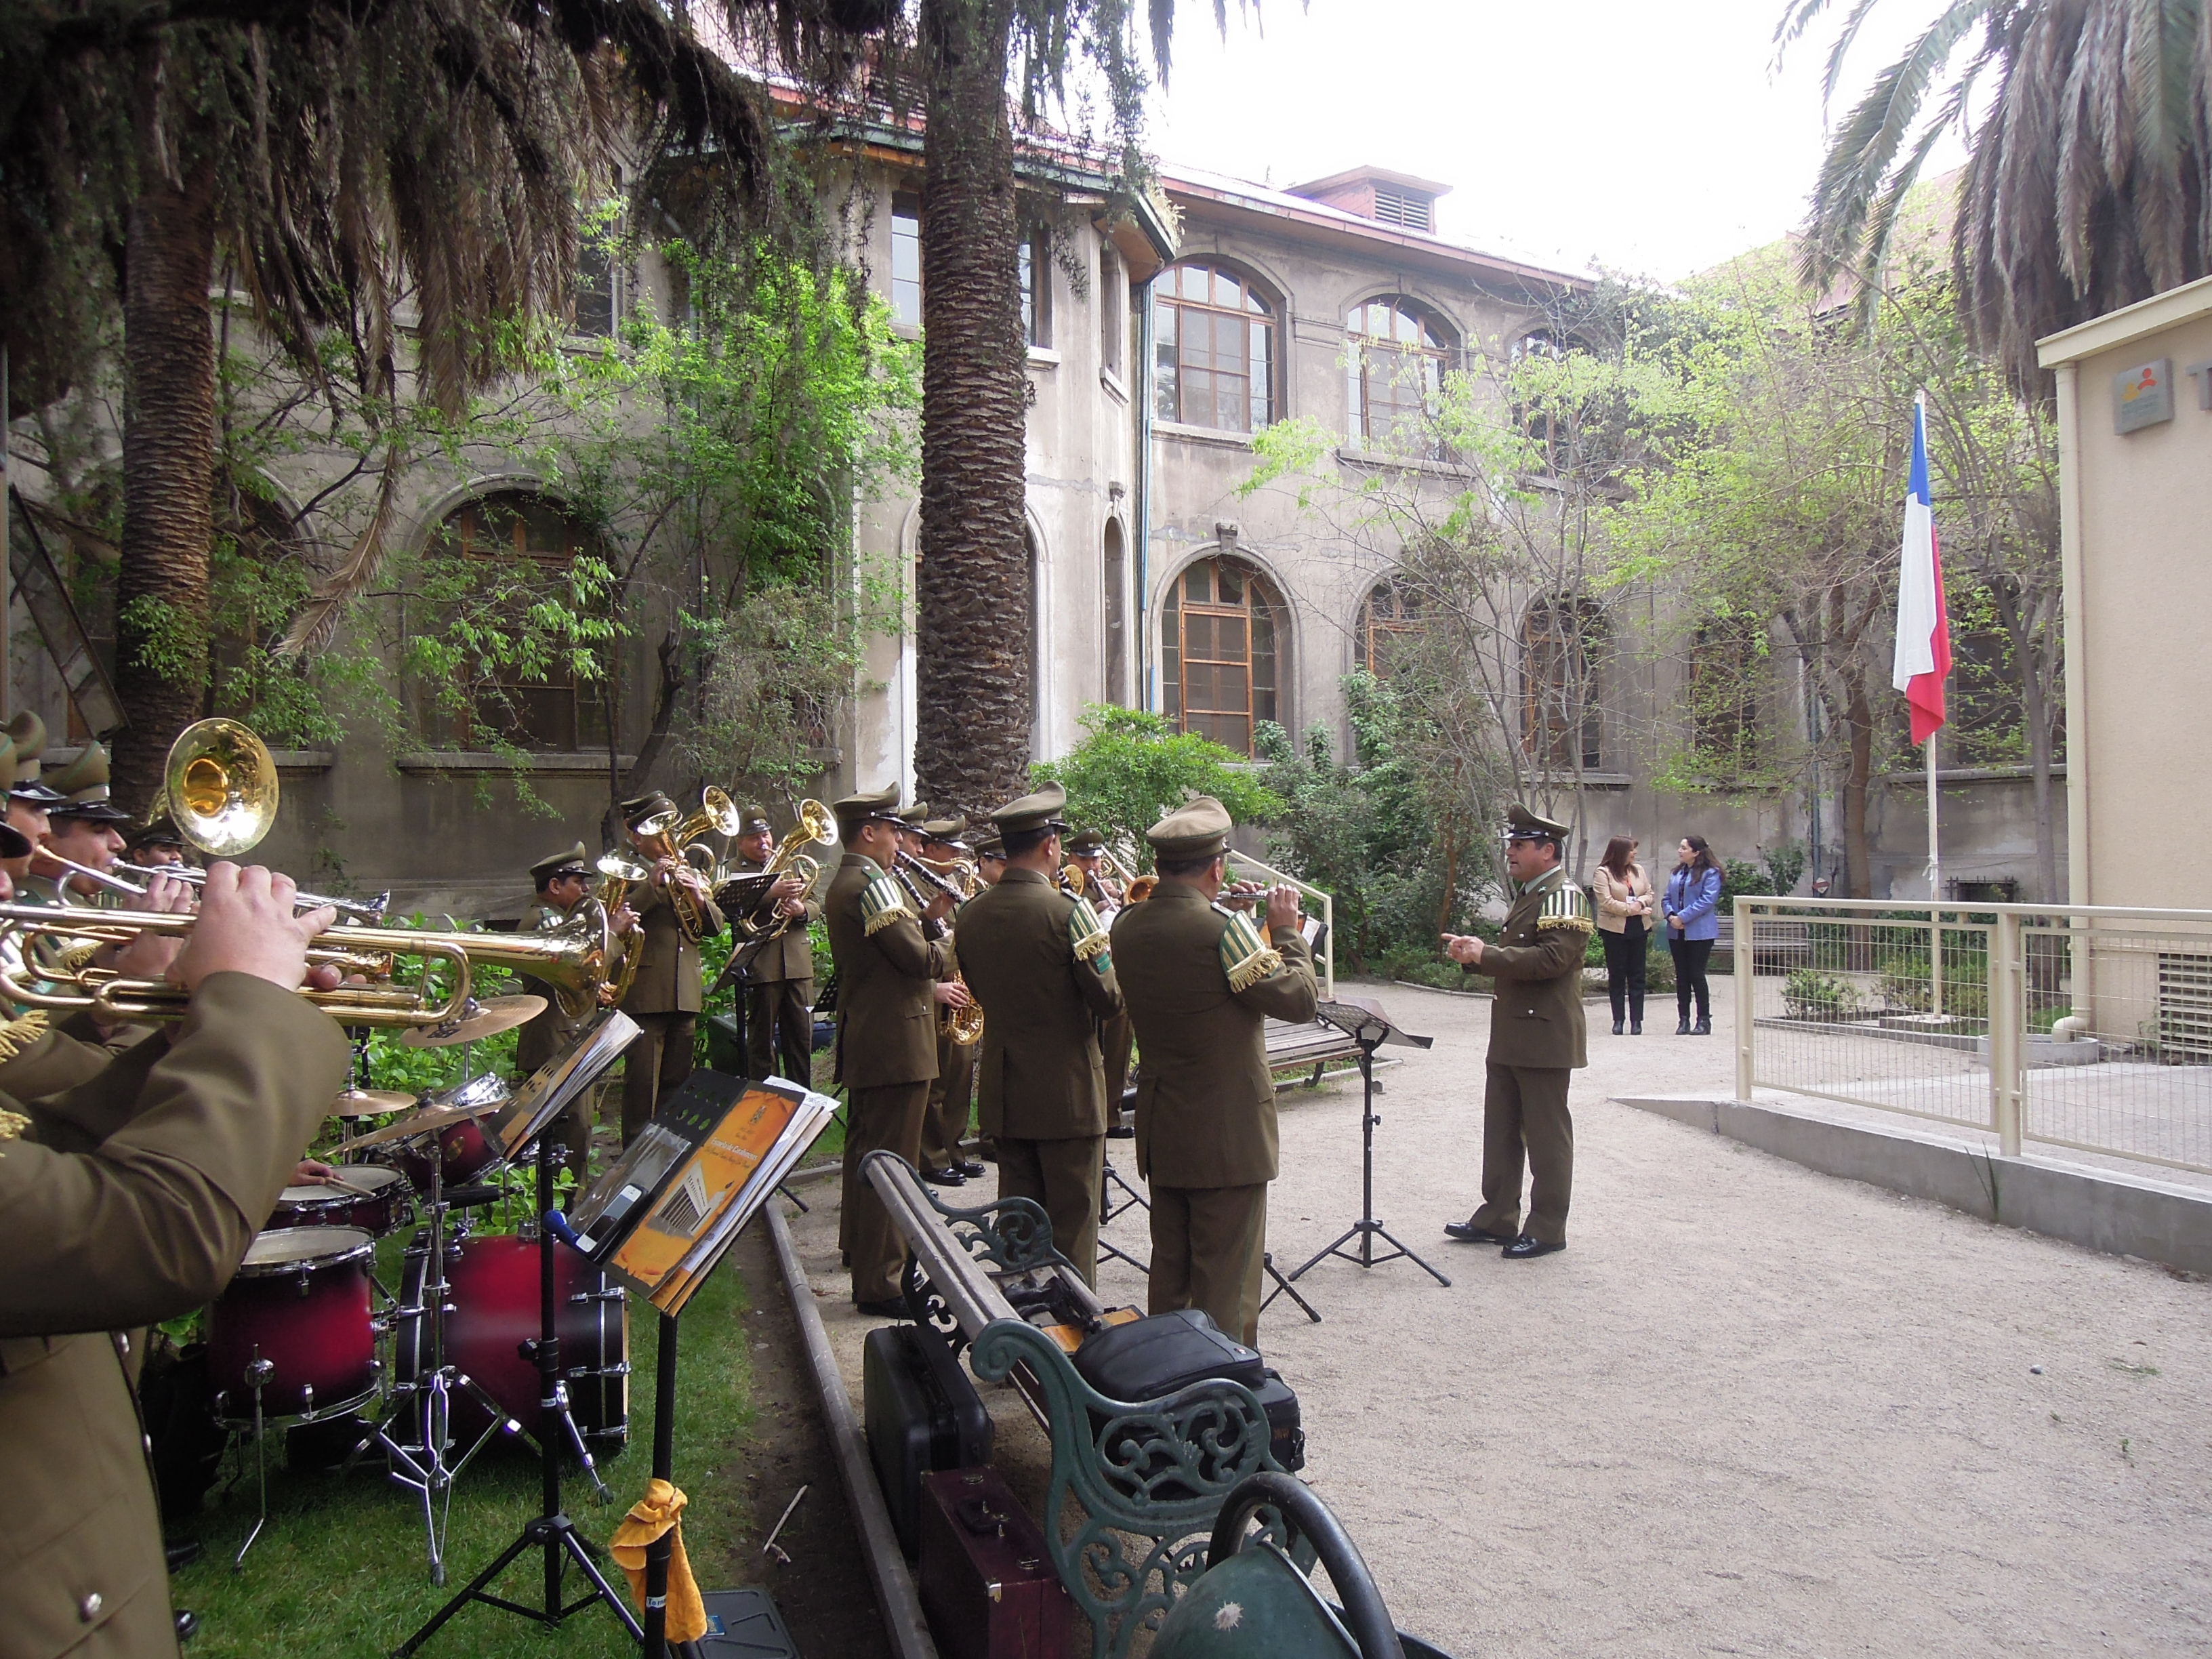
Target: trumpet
(373, 909)
(573, 961)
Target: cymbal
(427, 1119)
(481, 1019)
(370, 1102)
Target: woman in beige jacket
(1624, 908)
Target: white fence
(2087, 1027)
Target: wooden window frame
(1548, 655)
(1436, 351)
(1254, 310)
(1261, 612)
(905, 292)
(1403, 620)
(500, 700)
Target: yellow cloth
(660, 1510)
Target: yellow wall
(2137, 518)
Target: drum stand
(552, 1532)
(1108, 1208)
(422, 1467)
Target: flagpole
(1935, 840)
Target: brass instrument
(618, 874)
(718, 814)
(963, 1025)
(372, 909)
(816, 827)
(573, 961)
(672, 830)
(221, 783)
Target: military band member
(1536, 1040)
(563, 881)
(1038, 961)
(952, 1096)
(990, 860)
(778, 996)
(27, 803)
(1087, 853)
(887, 995)
(81, 827)
(148, 1226)
(1200, 980)
(155, 844)
(675, 911)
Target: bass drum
(299, 1307)
(492, 1289)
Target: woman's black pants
(1625, 956)
(1691, 956)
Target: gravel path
(1751, 1409)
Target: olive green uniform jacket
(149, 1225)
(1042, 1077)
(1205, 1100)
(791, 957)
(548, 1033)
(1538, 964)
(886, 1011)
(669, 981)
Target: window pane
(1231, 580)
(906, 260)
(1198, 583)
(1027, 277)
(595, 291)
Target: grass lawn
(341, 1572)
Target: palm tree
(392, 187)
(2088, 183)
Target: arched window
(1561, 642)
(1114, 582)
(1213, 349)
(1389, 617)
(1219, 656)
(1395, 368)
(529, 695)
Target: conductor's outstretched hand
(246, 926)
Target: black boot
(1682, 1026)
(1636, 1028)
(1704, 1027)
(1617, 1028)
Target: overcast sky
(1650, 137)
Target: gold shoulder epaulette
(1567, 906)
(21, 1033)
(1246, 957)
(1087, 936)
(12, 1125)
(883, 902)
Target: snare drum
(387, 1205)
(492, 1289)
(464, 1151)
(300, 1305)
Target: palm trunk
(168, 461)
(972, 731)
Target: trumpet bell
(817, 823)
(221, 783)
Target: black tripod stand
(551, 1532)
(1366, 1024)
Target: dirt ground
(1750, 1409)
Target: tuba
(672, 830)
(816, 828)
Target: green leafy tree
(1131, 767)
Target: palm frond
(317, 621)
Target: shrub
(1808, 993)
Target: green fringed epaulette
(1088, 937)
(1246, 957)
(22, 1032)
(883, 902)
(1566, 906)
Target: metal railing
(1326, 958)
(2083, 1026)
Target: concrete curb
(2099, 1210)
(895, 1593)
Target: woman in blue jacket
(1693, 907)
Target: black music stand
(550, 1532)
(1366, 1024)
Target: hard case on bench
(987, 1581)
(1149, 1359)
(921, 1412)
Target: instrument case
(1152, 1358)
(921, 1412)
(987, 1585)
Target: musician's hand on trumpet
(1465, 949)
(246, 926)
(951, 994)
(148, 956)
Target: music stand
(1366, 1024)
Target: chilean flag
(1924, 625)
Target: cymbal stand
(551, 1533)
(257, 1373)
(422, 1467)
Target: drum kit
(296, 1337)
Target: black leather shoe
(945, 1177)
(1525, 1248)
(1636, 1028)
(883, 1309)
(1121, 1132)
(1682, 1028)
(188, 1624)
(1616, 1028)
(1468, 1233)
(183, 1555)
(971, 1168)
(1702, 1028)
